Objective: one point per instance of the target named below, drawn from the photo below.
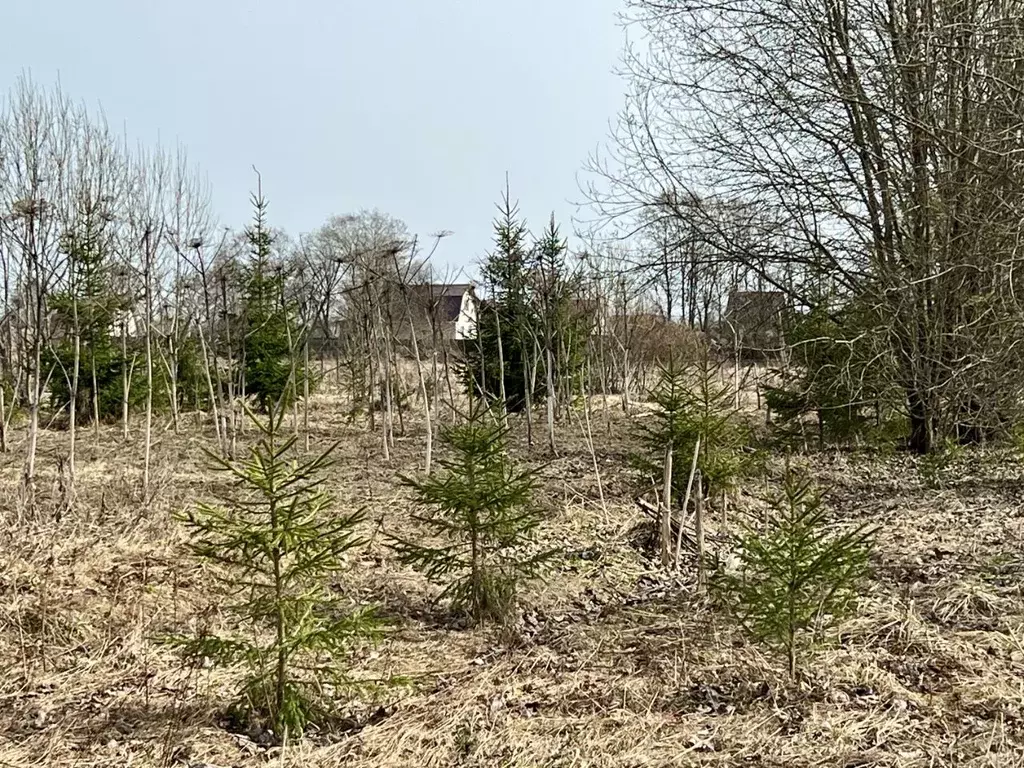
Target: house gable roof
(445, 300)
(755, 308)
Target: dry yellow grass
(613, 664)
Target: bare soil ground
(614, 663)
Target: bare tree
(187, 223)
(417, 272)
(871, 151)
(146, 231)
(89, 211)
(38, 141)
(199, 283)
(324, 255)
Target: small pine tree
(693, 402)
(667, 427)
(480, 505)
(840, 375)
(795, 577)
(276, 546)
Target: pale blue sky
(416, 107)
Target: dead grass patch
(614, 663)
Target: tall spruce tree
(503, 361)
(89, 307)
(269, 362)
(561, 330)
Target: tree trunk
(698, 523)
(528, 384)
(666, 508)
(686, 501)
(148, 449)
(126, 375)
(95, 395)
(428, 451)
(73, 407)
(501, 368)
(305, 393)
(625, 380)
(35, 393)
(230, 422)
(172, 379)
(212, 393)
(550, 383)
(921, 426)
(3, 417)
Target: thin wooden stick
(699, 525)
(686, 503)
(666, 510)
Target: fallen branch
(676, 526)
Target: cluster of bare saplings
(123, 302)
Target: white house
(448, 310)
